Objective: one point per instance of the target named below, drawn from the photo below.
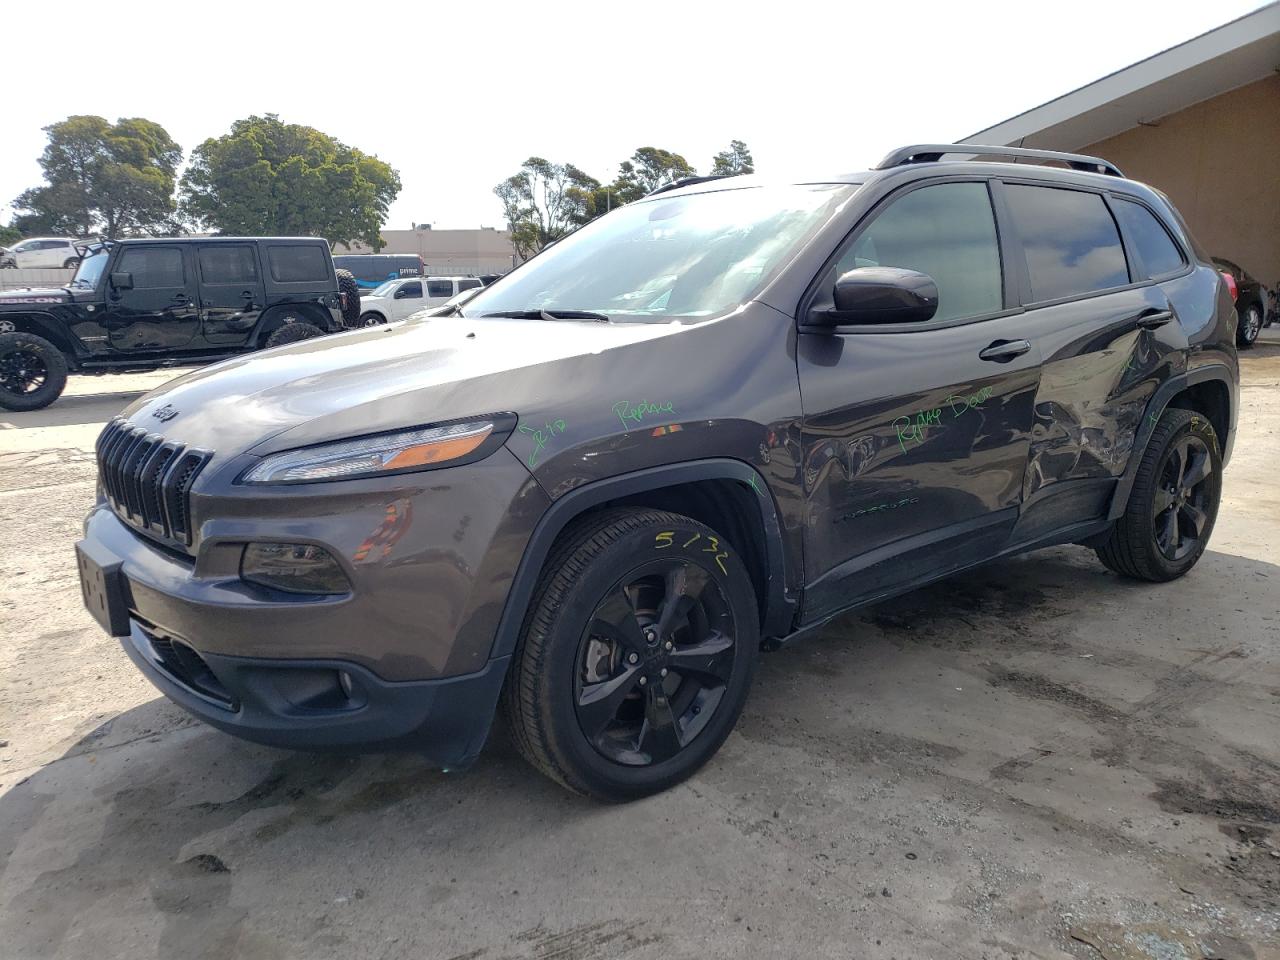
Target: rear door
(231, 291)
(915, 436)
(160, 312)
(438, 291)
(1108, 336)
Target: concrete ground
(1035, 760)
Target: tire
(1248, 328)
(586, 679)
(33, 372)
(71, 263)
(371, 319)
(1160, 515)
(351, 301)
(293, 331)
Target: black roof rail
(929, 152)
(687, 182)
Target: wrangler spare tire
(33, 372)
(294, 332)
(351, 296)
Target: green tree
(266, 177)
(544, 201)
(646, 170)
(103, 178)
(9, 235)
(733, 162)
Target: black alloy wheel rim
(654, 662)
(1182, 501)
(22, 372)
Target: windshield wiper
(547, 315)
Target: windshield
(695, 256)
(90, 271)
(384, 289)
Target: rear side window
(439, 288)
(467, 284)
(1155, 248)
(297, 264)
(947, 231)
(1070, 240)
(153, 267)
(228, 264)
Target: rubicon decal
(33, 300)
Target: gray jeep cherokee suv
(705, 423)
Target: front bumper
(405, 660)
(304, 705)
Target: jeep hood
(388, 377)
(18, 298)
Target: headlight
(404, 450)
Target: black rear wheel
(292, 331)
(636, 660)
(33, 372)
(1174, 502)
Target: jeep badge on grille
(165, 413)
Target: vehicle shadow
(153, 820)
(72, 410)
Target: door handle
(248, 294)
(180, 298)
(1002, 351)
(1154, 318)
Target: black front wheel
(33, 372)
(1174, 502)
(636, 661)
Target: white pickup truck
(397, 299)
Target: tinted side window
(1071, 242)
(947, 231)
(1156, 249)
(410, 291)
(439, 288)
(297, 264)
(153, 267)
(467, 284)
(228, 264)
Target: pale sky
(456, 96)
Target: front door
(159, 311)
(915, 436)
(231, 291)
(406, 300)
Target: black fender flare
(314, 313)
(1151, 416)
(46, 325)
(779, 608)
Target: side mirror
(883, 295)
(122, 281)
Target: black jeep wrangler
(143, 304)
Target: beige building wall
(1219, 162)
(450, 252)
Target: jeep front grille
(147, 480)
